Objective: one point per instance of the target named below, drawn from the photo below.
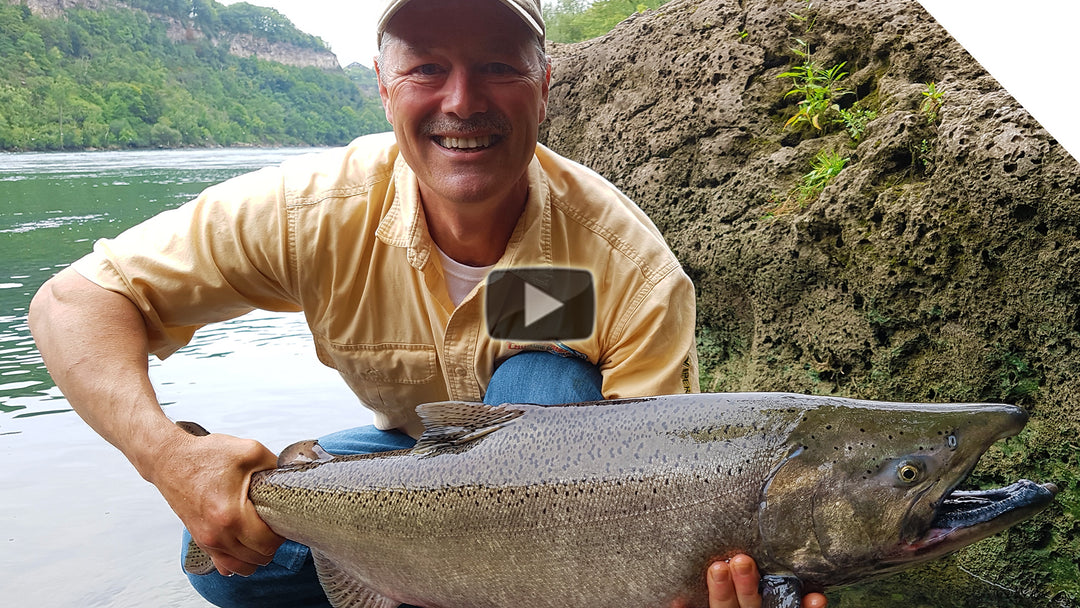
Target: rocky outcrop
(941, 264)
(246, 45)
(241, 45)
(56, 8)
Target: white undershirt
(461, 278)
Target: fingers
(734, 584)
(239, 553)
(243, 540)
(242, 553)
(745, 575)
(721, 587)
(208, 489)
(227, 565)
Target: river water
(78, 526)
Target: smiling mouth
(467, 144)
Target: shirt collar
(404, 224)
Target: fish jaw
(964, 517)
(842, 510)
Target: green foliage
(817, 87)
(825, 166)
(855, 121)
(932, 102)
(365, 79)
(1017, 380)
(244, 18)
(922, 156)
(807, 18)
(577, 20)
(112, 78)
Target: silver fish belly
(625, 503)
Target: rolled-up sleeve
(214, 258)
(655, 350)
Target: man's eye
(500, 68)
(428, 69)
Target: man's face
(465, 90)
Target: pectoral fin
(343, 590)
(781, 592)
(453, 423)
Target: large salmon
(624, 504)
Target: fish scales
(564, 515)
(625, 503)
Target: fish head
(869, 488)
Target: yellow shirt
(341, 235)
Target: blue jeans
(290, 579)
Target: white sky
(1025, 45)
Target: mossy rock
(942, 264)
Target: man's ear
(383, 93)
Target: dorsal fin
(452, 423)
(303, 452)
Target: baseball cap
(528, 10)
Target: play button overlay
(540, 304)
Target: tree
(113, 78)
(577, 20)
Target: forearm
(94, 343)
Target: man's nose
(463, 95)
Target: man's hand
(734, 584)
(95, 344)
(205, 480)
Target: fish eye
(952, 442)
(908, 472)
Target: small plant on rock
(808, 19)
(855, 121)
(818, 87)
(932, 102)
(923, 156)
(826, 165)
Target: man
(383, 245)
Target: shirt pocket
(389, 379)
(386, 363)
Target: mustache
(489, 123)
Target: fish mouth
(962, 517)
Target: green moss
(721, 363)
(1017, 380)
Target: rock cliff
(241, 45)
(55, 8)
(941, 264)
(246, 45)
